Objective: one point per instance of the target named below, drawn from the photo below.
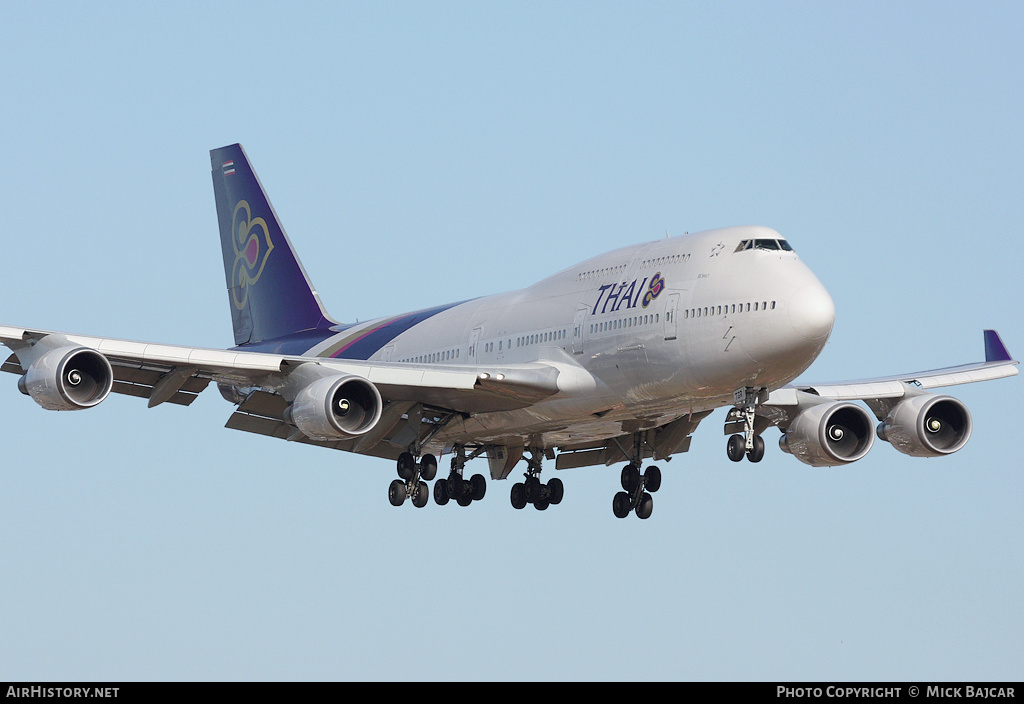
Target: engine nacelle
(335, 407)
(68, 379)
(830, 434)
(927, 426)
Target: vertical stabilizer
(269, 294)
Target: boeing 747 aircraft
(614, 360)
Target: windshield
(773, 245)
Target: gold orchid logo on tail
(251, 240)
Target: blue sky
(421, 153)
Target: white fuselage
(662, 330)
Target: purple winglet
(995, 350)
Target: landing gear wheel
(406, 466)
(556, 490)
(441, 496)
(422, 495)
(621, 505)
(519, 496)
(397, 492)
(757, 452)
(630, 477)
(532, 489)
(428, 467)
(736, 448)
(652, 479)
(478, 487)
(455, 485)
(645, 507)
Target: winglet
(995, 350)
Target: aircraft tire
(756, 453)
(532, 488)
(397, 493)
(441, 496)
(428, 467)
(556, 490)
(541, 505)
(630, 477)
(652, 479)
(645, 508)
(422, 495)
(406, 465)
(455, 486)
(736, 448)
(518, 496)
(620, 505)
(478, 485)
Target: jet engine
(68, 379)
(926, 425)
(335, 407)
(829, 434)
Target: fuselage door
(671, 315)
(577, 330)
(474, 341)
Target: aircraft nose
(812, 312)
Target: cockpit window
(766, 244)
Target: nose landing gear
(743, 417)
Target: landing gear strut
(637, 488)
(410, 483)
(464, 491)
(743, 415)
(531, 491)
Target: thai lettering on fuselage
(613, 297)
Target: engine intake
(927, 426)
(829, 434)
(68, 379)
(335, 407)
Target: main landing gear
(464, 491)
(749, 443)
(532, 491)
(636, 487)
(412, 481)
(635, 496)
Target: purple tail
(268, 291)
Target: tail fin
(268, 291)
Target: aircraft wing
(882, 394)
(998, 364)
(175, 374)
